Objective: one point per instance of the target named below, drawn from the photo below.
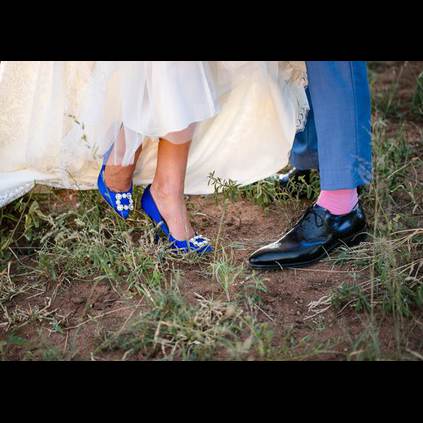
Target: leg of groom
(304, 154)
(337, 140)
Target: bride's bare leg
(119, 178)
(168, 188)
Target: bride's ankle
(116, 180)
(171, 203)
(166, 192)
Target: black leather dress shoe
(316, 234)
(294, 176)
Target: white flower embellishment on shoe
(199, 241)
(128, 204)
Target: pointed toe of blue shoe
(198, 243)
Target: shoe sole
(348, 242)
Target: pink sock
(338, 202)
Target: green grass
(418, 97)
(173, 329)
(47, 248)
(265, 192)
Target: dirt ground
(243, 228)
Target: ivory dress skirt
(57, 120)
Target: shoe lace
(310, 213)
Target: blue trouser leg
(337, 138)
(304, 154)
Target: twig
(94, 318)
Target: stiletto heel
(121, 202)
(198, 243)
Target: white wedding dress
(57, 120)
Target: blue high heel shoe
(121, 202)
(198, 243)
